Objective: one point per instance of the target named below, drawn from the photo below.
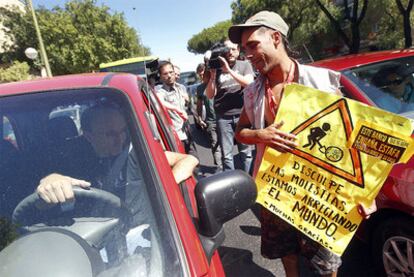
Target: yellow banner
(346, 150)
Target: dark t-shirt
(229, 96)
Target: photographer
(228, 77)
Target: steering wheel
(88, 202)
(96, 218)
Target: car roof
(62, 82)
(356, 60)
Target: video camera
(219, 50)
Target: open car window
(120, 225)
(389, 84)
(163, 125)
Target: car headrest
(61, 128)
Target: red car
(386, 80)
(134, 221)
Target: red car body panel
(356, 60)
(401, 173)
(198, 265)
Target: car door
(169, 139)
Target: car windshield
(118, 227)
(389, 84)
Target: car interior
(390, 84)
(111, 228)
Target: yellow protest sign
(346, 150)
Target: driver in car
(396, 84)
(101, 158)
(98, 157)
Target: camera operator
(225, 86)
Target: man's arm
(271, 135)
(199, 107)
(211, 88)
(185, 94)
(171, 107)
(243, 80)
(338, 92)
(182, 165)
(200, 112)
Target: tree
(354, 16)
(295, 13)
(324, 27)
(77, 38)
(306, 21)
(384, 16)
(16, 72)
(406, 21)
(204, 40)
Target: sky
(165, 26)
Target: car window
(88, 135)
(389, 84)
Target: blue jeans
(226, 126)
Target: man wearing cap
(225, 87)
(263, 38)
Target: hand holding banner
(346, 150)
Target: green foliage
(16, 72)
(203, 41)
(243, 9)
(306, 21)
(304, 18)
(390, 33)
(380, 25)
(77, 37)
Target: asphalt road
(240, 252)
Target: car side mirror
(220, 198)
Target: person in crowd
(225, 87)
(264, 39)
(182, 87)
(174, 97)
(99, 157)
(210, 120)
(177, 72)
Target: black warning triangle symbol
(354, 176)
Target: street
(240, 252)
